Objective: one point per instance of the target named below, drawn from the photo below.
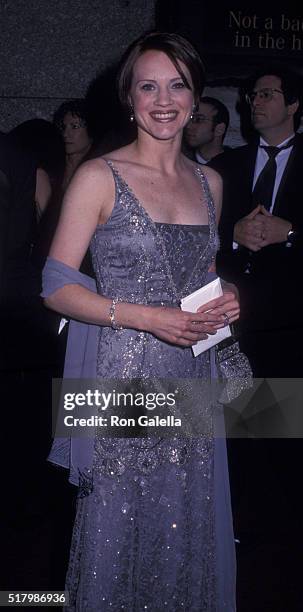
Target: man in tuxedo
(261, 225)
(261, 252)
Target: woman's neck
(164, 155)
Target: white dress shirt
(199, 158)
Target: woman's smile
(164, 116)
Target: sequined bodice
(183, 246)
(143, 262)
(132, 254)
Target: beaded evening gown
(155, 533)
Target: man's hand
(249, 231)
(275, 229)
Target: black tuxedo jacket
(271, 296)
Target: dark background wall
(51, 49)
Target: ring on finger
(226, 318)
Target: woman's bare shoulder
(215, 186)
(123, 154)
(212, 176)
(96, 169)
(93, 178)
(206, 170)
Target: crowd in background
(37, 161)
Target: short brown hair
(177, 48)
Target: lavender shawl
(75, 454)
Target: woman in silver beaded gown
(153, 531)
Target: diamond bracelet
(112, 313)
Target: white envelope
(192, 302)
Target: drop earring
(131, 116)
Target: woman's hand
(227, 305)
(183, 328)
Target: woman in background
(71, 119)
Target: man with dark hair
(261, 225)
(206, 131)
